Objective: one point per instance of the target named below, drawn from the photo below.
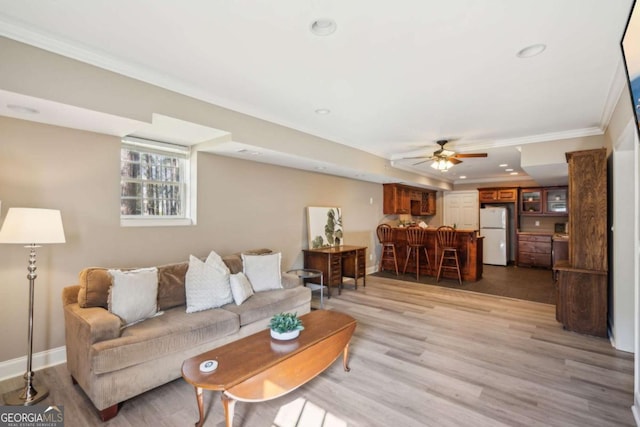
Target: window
(154, 181)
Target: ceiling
(395, 76)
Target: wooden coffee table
(258, 368)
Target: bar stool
(447, 243)
(416, 240)
(385, 236)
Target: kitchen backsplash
(547, 223)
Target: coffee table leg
(345, 358)
(200, 406)
(228, 404)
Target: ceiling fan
(444, 159)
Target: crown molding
(616, 87)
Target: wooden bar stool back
(416, 240)
(385, 236)
(449, 252)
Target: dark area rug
(529, 284)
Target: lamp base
(25, 396)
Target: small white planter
(284, 335)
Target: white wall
(623, 232)
(241, 205)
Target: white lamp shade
(32, 226)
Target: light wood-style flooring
(421, 356)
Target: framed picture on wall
(631, 52)
(324, 227)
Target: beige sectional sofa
(112, 364)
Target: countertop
(554, 236)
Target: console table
(338, 262)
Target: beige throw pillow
(240, 287)
(263, 271)
(207, 284)
(133, 294)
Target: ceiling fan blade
(417, 157)
(419, 163)
(470, 155)
(454, 160)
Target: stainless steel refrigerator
(494, 228)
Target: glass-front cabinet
(544, 201)
(555, 201)
(531, 201)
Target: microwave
(557, 207)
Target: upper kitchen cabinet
(555, 201)
(403, 199)
(544, 201)
(497, 195)
(531, 201)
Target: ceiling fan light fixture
(442, 165)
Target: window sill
(155, 222)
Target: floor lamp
(30, 227)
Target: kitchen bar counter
(469, 252)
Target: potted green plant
(285, 326)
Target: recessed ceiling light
(323, 111)
(463, 177)
(531, 51)
(323, 27)
(504, 165)
(513, 173)
(22, 109)
(508, 170)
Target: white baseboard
(372, 269)
(18, 366)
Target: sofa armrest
(70, 295)
(91, 325)
(290, 280)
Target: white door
(461, 209)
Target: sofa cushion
(265, 304)
(207, 284)
(234, 261)
(171, 285)
(263, 271)
(133, 295)
(95, 283)
(162, 335)
(94, 287)
(240, 287)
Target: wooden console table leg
(200, 406)
(345, 358)
(228, 404)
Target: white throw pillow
(263, 271)
(240, 287)
(207, 284)
(133, 294)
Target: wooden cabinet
(588, 209)
(497, 195)
(543, 201)
(555, 201)
(403, 199)
(581, 288)
(534, 250)
(581, 297)
(559, 250)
